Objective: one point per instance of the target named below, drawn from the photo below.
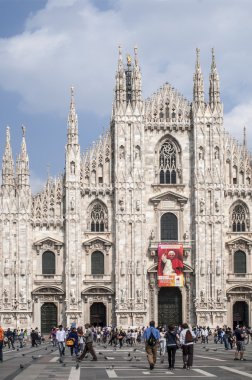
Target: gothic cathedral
(85, 249)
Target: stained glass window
(169, 226)
(48, 263)
(97, 263)
(167, 163)
(240, 262)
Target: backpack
(152, 340)
(188, 337)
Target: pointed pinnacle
(23, 130)
(120, 60)
(244, 137)
(213, 66)
(136, 55)
(7, 134)
(197, 58)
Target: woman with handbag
(172, 340)
(72, 341)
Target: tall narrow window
(48, 263)
(239, 218)
(169, 227)
(97, 263)
(240, 262)
(168, 163)
(99, 218)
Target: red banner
(170, 265)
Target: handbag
(70, 342)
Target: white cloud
(74, 43)
(238, 118)
(37, 183)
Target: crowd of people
(156, 340)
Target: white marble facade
(85, 248)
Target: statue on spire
(214, 87)
(198, 88)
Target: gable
(169, 199)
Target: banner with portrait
(170, 265)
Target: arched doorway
(48, 317)
(240, 314)
(98, 314)
(169, 306)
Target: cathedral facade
(85, 249)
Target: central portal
(98, 314)
(169, 306)
(48, 317)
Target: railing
(48, 278)
(239, 276)
(97, 277)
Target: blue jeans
(61, 347)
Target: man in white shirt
(61, 339)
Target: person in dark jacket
(74, 336)
(34, 337)
(172, 340)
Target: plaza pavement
(210, 361)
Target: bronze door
(98, 314)
(240, 314)
(169, 306)
(48, 317)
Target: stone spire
(8, 165)
(22, 165)
(136, 81)
(72, 132)
(120, 88)
(198, 87)
(244, 137)
(214, 88)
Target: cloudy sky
(47, 46)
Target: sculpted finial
(136, 55)
(23, 130)
(128, 60)
(213, 59)
(244, 137)
(197, 57)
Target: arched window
(48, 263)
(240, 262)
(168, 163)
(97, 263)
(239, 218)
(99, 218)
(169, 226)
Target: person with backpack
(172, 341)
(151, 338)
(187, 338)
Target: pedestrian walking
(151, 337)
(61, 340)
(21, 338)
(1, 343)
(187, 337)
(162, 344)
(9, 335)
(73, 336)
(172, 340)
(88, 336)
(34, 338)
(239, 335)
